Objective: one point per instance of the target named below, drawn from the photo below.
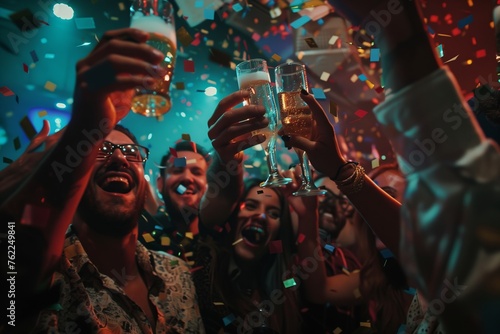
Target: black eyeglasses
(132, 152)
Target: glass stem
(271, 155)
(306, 169)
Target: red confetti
(481, 53)
(192, 270)
(456, 32)
(379, 89)
(434, 18)
(361, 113)
(188, 65)
(300, 238)
(25, 68)
(6, 91)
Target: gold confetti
(238, 241)
(186, 136)
(375, 163)
(365, 324)
(148, 237)
(165, 241)
(276, 57)
(121, 5)
(189, 235)
(42, 113)
(50, 86)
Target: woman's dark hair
(273, 268)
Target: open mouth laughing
(116, 182)
(254, 234)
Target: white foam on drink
(246, 79)
(154, 24)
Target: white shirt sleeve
(450, 238)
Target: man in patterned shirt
(78, 208)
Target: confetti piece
(374, 54)
(365, 324)
(410, 291)
(289, 283)
(354, 78)
(184, 37)
(237, 7)
(218, 303)
(300, 22)
(452, 59)
(375, 163)
(227, 320)
(386, 253)
(50, 86)
(121, 6)
(180, 85)
(7, 160)
(165, 241)
(465, 21)
(276, 57)
(440, 51)
(456, 32)
(173, 152)
(255, 36)
(192, 270)
(362, 77)
(275, 12)
(237, 241)
(318, 93)
(334, 109)
(25, 68)
(28, 127)
(189, 235)
(275, 247)
(346, 271)
(181, 189)
(369, 84)
(330, 248)
(180, 162)
(300, 238)
(481, 53)
(337, 330)
(311, 42)
(325, 76)
(357, 293)
(186, 136)
(174, 262)
(6, 91)
(379, 89)
(188, 66)
(148, 237)
(333, 40)
(17, 143)
(361, 113)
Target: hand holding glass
(155, 17)
(254, 75)
(296, 117)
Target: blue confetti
(362, 77)
(300, 22)
(318, 93)
(374, 54)
(237, 7)
(465, 21)
(430, 30)
(386, 253)
(228, 319)
(329, 248)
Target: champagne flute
(254, 75)
(296, 117)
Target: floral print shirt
(91, 302)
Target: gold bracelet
(354, 183)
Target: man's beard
(115, 220)
(185, 214)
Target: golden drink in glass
(155, 17)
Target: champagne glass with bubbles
(296, 117)
(254, 75)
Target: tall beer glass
(296, 117)
(156, 18)
(254, 75)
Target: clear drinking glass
(296, 117)
(155, 17)
(254, 75)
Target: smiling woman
(239, 280)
